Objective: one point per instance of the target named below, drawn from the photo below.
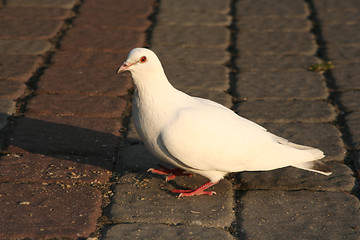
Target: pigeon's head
(140, 60)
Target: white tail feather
(313, 165)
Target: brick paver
(58, 154)
(72, 165)
(36, 210)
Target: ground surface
(72, 165)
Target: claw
(170, 177)
(196, 192)
(171, 173)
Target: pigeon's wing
(210, 138)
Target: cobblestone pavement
(72, 165)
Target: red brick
(89, 81)
(112, 21)
(74, 105)
(35, 13)
(52, 211)
(134, 8)
(34, 29)
(18, 67)
(11, 89)
(69, 169)
(46, 134)
(89, 59)
(108, 40)
(68, 4)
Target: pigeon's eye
(143, 59)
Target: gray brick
(299, 43)
(335, 5)
(336, 34)
(24, 47)
(147, 199)
(173, 17)
(44, 3)
(290, 178)
(344, 53)
(190, 36)
(274, 62)
(347, 76)
(197, 76)
(262, 24)
(186, 55)
(280, 8)
(160, 231)
(323, 136)
(287, 111)
(353, 123)
(350, 100)
(336, 16)
(299, 215)
(281, 85)
(217, 6)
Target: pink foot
(170, 173)
(196, 192)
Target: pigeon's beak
(124, 67)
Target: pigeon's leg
(170, 173)
(198, 191)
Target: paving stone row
(23, 45)
(191, 40)
(274, 87)
(339, 22)
(59, 154)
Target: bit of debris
(321, 67)
(195, 212)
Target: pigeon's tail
(316, 165)
(315, 155)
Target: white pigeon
(202, 136)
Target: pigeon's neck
(155, 100)
(152, 85)
(155, 97)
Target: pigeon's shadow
(65, 141)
